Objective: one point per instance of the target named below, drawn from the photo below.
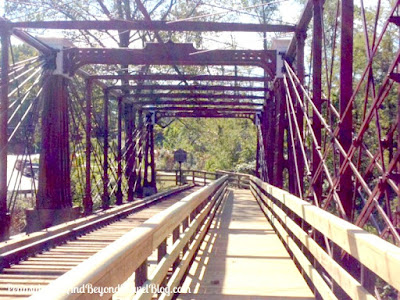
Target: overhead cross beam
(204, 109)
(189, 88)
(198, 103)
(169, 54)
(208, 114)
(173, 77)
(178, 26)
(191, 96)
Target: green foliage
(211, 144)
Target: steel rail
(14, 251)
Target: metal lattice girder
(171, 77)
(204, 114)
(169, 54)
(203, 109)
(190, 88)
(196, 103)
(192, 96)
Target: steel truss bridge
(319, 218)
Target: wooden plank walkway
(242, 258)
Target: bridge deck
(242, 258)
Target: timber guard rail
(297, 221)
(187, 221)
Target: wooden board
(376, 254)
(242, 258)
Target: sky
(290, 11)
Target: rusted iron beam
(119, 194)
(31, 41)
(202, 109)
(317, 94)
(153, 182)
(279, 128)
(197, 114)
(300, 45)
(170, 77)
(25, 37)
(147, 18)
(146, 157)
(4, 217)
(265, 143)
(130, 127)
(257, 173)
(169, 54)
(270, 117)
(85, 75)
(178, 26)
(189, 88)
(54, 191)
(139, 184)
(87, 200)
(197, 103)
(346, 91)
(302, 25)
(106, 180)
(192, 96)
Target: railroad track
(31, 267)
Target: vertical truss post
(152, 159)
(87, 200)
(130, 147)
(279, 127)
(54, 191)
(290, 145)
(139, 185)
(398, 163)
(300, 36)
(346, 91)
(4, 216)
(149, 162)
(54, 200)
(346, 186)
(270, 138)
(290, 162)
(146, 154)
(119, 194)
(257, 171)
(317, 92)
(264, 130)
(106, 195)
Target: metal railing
(185, 223)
